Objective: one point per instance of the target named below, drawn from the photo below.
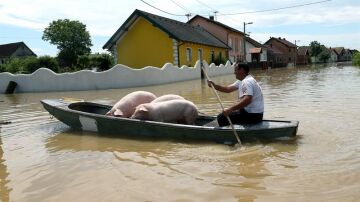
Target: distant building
(275, 57)
(341, 54)
(303, 55)
(230, 36)
(288, 49)
(255, 51)
(145, 39)
(333, 55)
(18, 49)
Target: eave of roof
(283, 41)
(254, 42)
(6, 50)
(217, 23)
(201, 35)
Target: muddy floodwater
(42, 159)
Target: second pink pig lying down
(172, 111)
(167, 98)
(125, 107)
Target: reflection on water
(42, 159)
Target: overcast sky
(332, 23)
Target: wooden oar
(222, 106)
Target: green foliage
(29, 64)
(101, 61)
(15, 65)
(71, 38)
(2, 68)
(324, 54)
(220, 60)
(49, 62)
(319, 51)
(83, 61)
(315, 48)
(356, 59)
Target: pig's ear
(118, 113)
(143, 109)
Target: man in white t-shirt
(250, 106)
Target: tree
(71, 38)
(318, 50)
(324, 54)
(315, 48)
(356, 59)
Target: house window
(200, 57)
(188, 54)
(236, 44)
(212, 56)
(289, 59)
(230, 43)
(289, 50)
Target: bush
(101, 61)
(29, 64)
(220, 60)
(356, 59)
(14, 65)
(2, 68)
(48, 62)
(83, 61)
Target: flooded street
(42, 159)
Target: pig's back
(128, 103)
(168, 97)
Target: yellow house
(150, 40)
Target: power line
(188, 14)
(160, 9)
(241, 13)
(181, 6)
(202, 3)
(276, 9)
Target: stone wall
(120, 76)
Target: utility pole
(295, 52)
(215, 12)
(188, 15)
(245, 23)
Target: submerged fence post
(11, 87)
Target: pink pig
(126, 106)
(172, 111)
(167, 98)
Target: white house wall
(263, 55)
(248, 54)
(120, 76)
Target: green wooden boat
(88, 116)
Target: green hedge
(29, 64)
(356, 59)
(101, 61)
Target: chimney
(211, 17)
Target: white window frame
(188, 52)
(200, 54)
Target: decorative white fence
(120, 76)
